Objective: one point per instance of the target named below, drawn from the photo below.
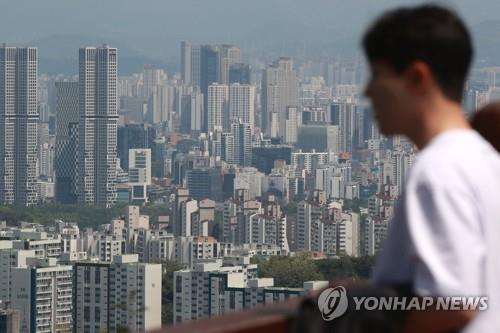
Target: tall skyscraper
(279, 91)
(227, 55)
(344, 115)
(186, 62)
(97, 128)
(195, 65)
(291, 125)
(206, 64)
(239, 73)
(18, 125)
(46, 148)
(66, 166)
(208, 68)
(241, 103)
(218, 95)
(242, 134)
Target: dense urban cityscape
(129, 203)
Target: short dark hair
(429, 33)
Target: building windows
(87, 275)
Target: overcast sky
(155, 27)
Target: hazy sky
(155, 27)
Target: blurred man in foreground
(445, 235)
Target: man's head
(416, 55)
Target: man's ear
(418, 77)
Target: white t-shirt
(444, 239)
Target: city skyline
(194, 166)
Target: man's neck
(441, 117)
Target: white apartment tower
(18, 125)
(159, 104)
(217, 110)
(10, 258)
(242, 103)
(43, 296)
(279, 91)
(291, 125)
(97, 127)
(151, 77)
(116, 295)
(186, 62)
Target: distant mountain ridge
(487, 43)
(58, 54)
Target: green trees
(289, 272)
(293, 271)
(346, 267)
(167, 286)
(85, 216)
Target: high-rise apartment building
(97, 127)
(159, 104)
(264, 229)
(43, 296)
(151, 77)
(192, 111)
(241, 104)
(196, 65)
(122, 294)
(217, 107)
(227, 148)
(345, 115)
(66, 166)
(195, 288)
(291, 125)
(18, 125)
(206, 64)
(279, 91)
(242, 144)
(186, 49)
(10, 258)
(216, 287)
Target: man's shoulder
(454, 160)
